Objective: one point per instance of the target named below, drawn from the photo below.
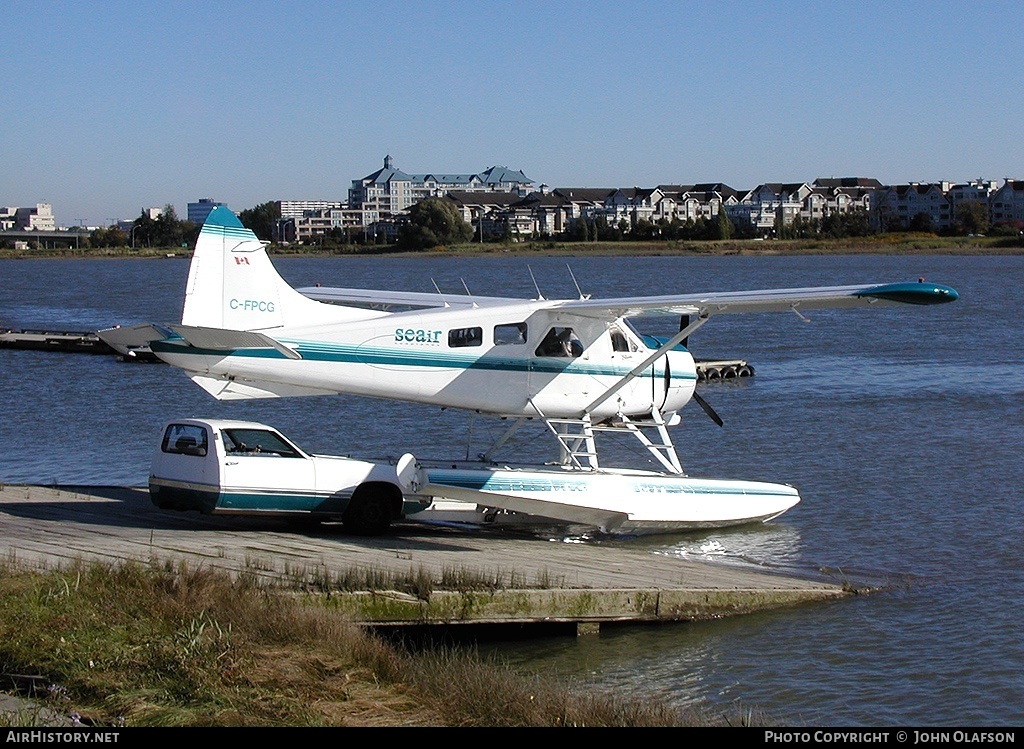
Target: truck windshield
(257, 442)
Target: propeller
(684, 320)
(712, 414)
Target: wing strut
(639, 368)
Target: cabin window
(510, 334)
(620, 342)
(185, 439)
(561, 342)
(462, 337)
(257, 442)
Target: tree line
(435, 222)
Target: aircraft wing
(767, 300)
(379, 299)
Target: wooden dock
(535, 580)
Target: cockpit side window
(562, 342)
(619, 341)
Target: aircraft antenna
(468, 292)
(540, 297)
(578, 289)
(438, 290)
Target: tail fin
(233, 285)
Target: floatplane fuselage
(505, 360)
(576, 364)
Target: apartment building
(915, 205)
(1007, 203)
(390, 191)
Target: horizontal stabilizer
(133, 336)
(225, 389)
(219, 339)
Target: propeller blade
(708, 410)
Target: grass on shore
(165, 645)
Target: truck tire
(369, 513)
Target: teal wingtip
(920, 292)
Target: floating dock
(710, 370)
(457, 576)
(53, 340)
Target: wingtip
(920, 292)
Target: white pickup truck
(245, 468)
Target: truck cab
(226, 467)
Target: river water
(902, 428)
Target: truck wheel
(368, 514)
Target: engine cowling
(680, 379)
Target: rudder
(233, 285)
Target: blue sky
(113, 106)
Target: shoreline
(882, 245)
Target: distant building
(297, 208)
(915, 205)
(37, 218)
(305, 220)
(197, 212)
(1007, 203)
(390, 191)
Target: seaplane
(577, 366)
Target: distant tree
(745, 229)
(921, 222)
(724, 225)
(433, 222)
(602, 232)
(971, 218)
(166, 230)
(144, 230)
(1011, 228)
(779, 227)
(855, 223)
(580, 231)
(111, 237)
(645, 230)
(261, 219)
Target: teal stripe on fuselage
(340, 353)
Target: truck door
(263, 471)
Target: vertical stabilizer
(233, 285)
